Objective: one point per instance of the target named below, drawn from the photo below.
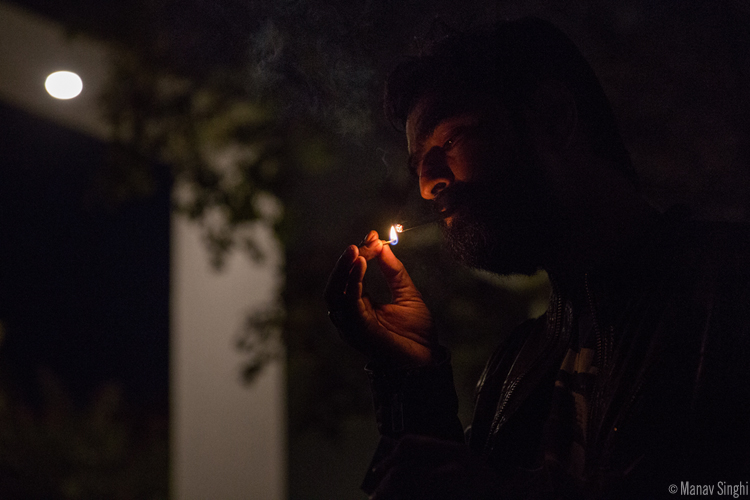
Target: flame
(399, 228)
(394, 236)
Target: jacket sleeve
(419, 401)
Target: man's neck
(604, 216)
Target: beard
(506, 226)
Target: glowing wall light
(63, 85)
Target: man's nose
(434, 174)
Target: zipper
(603, 360)
(603, 344)
(558, 321)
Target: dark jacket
(672, 396)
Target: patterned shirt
(564, 438)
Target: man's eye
(454, 139)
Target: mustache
(455, 196)
(449, 198)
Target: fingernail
(365, 239)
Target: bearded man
(635, 379)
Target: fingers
(354, 281)
(401, 286)
(336, 286)
(343, 295)
(371, 246)
(399, 281)
(335, 292)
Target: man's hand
(423, 468)
(401, 333)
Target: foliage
(62, 450)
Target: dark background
(84, 283)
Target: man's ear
(552, 115)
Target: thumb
(399, 281)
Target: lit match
(394, 235)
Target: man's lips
(446, 214)
(446, 204)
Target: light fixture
(63, 85)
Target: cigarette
(403, 227)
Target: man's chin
(475, 246)
(467, 243)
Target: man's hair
(507, 62)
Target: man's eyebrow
(428, 124)
(424, 128)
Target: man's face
(481, 170)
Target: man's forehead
(430, 112)
(423, 118)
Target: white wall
(228, 440)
